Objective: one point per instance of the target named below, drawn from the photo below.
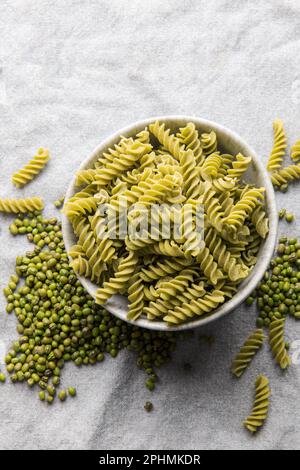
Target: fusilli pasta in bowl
(171, 222)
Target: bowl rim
(269, 243)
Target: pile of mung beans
(58, 320)
(278, 294)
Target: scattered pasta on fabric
(171, 267)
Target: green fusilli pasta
(186, 228)
(31, 169)
(247, 352)
(208, 142)
(120, 280)
(286, 175)
(239, 166)
(168, 140)
(244, 207)
(277, 343)
(195, 308)
(211, 166)
(261, 405)
(21, 206)
(135, 298)
(279, 147)
(295, 151)
(189, 136)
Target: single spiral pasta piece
(135, 298)
(112, 153)
(191, 236)
(295, 151)
(208, 142)
(229, 289)
(260, 220)
(249, 255)
(121, 163)
(150, 293)
(227, 159)
(147, 161)
(221, 185)
(156, 309)
(177, 285)
(88, 191)
(88, 242)
(208, 266)
(211, 165)
(21, 206)
(163, 268)
(130, 177)
(247, 352)
(194, 308)
(31, 169)
(167, 248)
(159, 190)
(76, 251)
(239, 166)
(84, 206)
(86, 176)
(190, 174)
(82, 267)
(194, 291)
(261, 405)
(223, 257)
(279, 147)
(135, 244)
(189, 136)
(169, 141)
(118, 188)
(143, 136)
(119, 281)
(244, 207)
(213, 210)
(277, 343)
(132, 195)
(226, 203)
(106, 246)
(286, 175)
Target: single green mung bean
(50, 399)
(289, 217)
(148, 406)
(2, 377)
(150, 384)
(249, 300)
(62, 395)
(72, 391)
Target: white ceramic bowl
(230, 143)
